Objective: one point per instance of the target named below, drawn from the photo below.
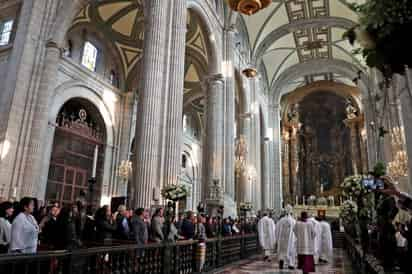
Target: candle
(14, 192)
(297, 200)
(96, 152)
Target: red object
(306, 263)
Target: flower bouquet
(382, 34)
(246, 206)
(175, 192)
(352, 187)
(348, 212)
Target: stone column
(229, 116)
(352, 125)
(294, 161)
(213, 142)
(124, 141)
(149, 123)
(265, 175)
(275, 158)
(173, 133)
(285, 161)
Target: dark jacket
(51, 233)
(140, 231)
(188, 229)
(104, 230)
(122, 233)
(68, 238)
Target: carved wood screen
(76, 136)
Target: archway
(77, 154)
(316, 124)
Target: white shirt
(305, 234)
(400, 240)
(5, 231)
(267, 233)
(24, 234)
(326, 242)
(286, 238)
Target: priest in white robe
(317, 227)
(267, 235)
(305, 234)
(326, 244)
(286, 240)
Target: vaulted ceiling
(292, 32)
(122, 23)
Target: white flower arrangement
(175, 192)
(246, 206)
(352, 187)
(348, 212)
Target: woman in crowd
(66, 226)
(24, 230)
(6, 211)
(105, 225)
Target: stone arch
(204, 14)
(63, 94)
(316, 67)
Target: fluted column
(229, 116)
(174, 103)
(265, 175)
(352, 124)
(293, 160)
(148, 127)
(213, 152)
(275, 158)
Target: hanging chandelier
(250, 72)
(124, 170)
(248, 7)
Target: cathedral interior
(136, 95)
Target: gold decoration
(240, 153)
(248, 7)
(250, 72)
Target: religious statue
(351, 111)
(293, 114)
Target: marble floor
(340, 265)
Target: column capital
(217, 78)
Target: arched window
(113, 79)
(184, 122)
(6, 28)
(89, 56)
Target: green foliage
(379, 169)
(383, 34)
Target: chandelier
(240, 154)
(248, 7)
(399, 166)
(250, 72)
(124, 170)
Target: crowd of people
(24, 228)
(302, 243)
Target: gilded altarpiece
(320, 147)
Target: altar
(329, 211)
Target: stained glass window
(89, 56)
(6, 28)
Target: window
(184, 123)
(89, 56)
(113, 78)
(6, 28)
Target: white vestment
(326, 245)
(305, 234)
(267, 234)
(286, 240)
(317, 227)
(24, 234)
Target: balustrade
(178, 258)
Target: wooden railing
(178, 258)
